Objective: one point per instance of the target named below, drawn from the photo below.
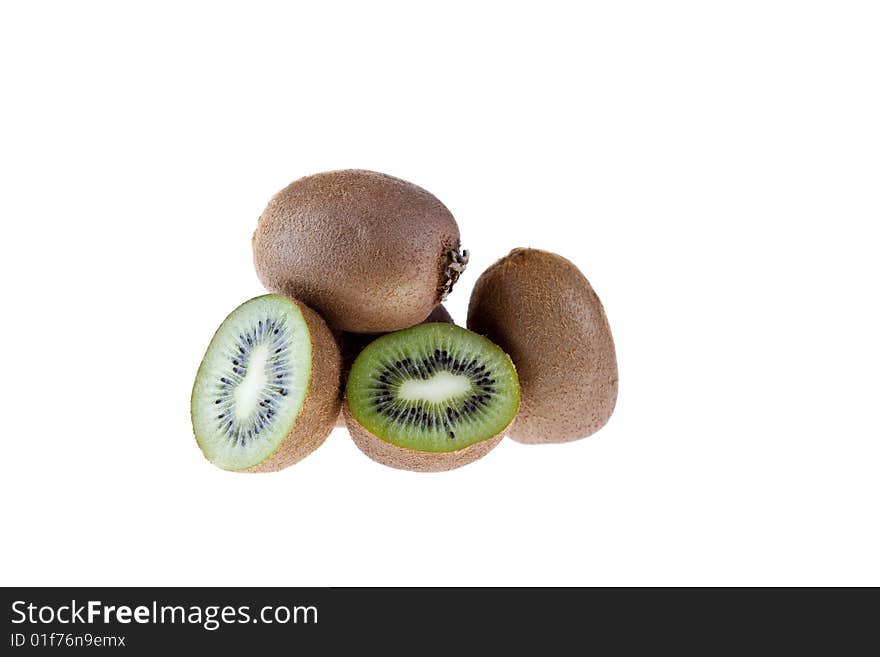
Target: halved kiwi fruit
(267, 391)
(432, 397)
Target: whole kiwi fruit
(371, 253)
(542, 311)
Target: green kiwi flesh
(433, 388)
(256, 402)
(351, 344)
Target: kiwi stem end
(455, 266)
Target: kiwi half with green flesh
(371, 253)
(541, 310)
(429, 398)
(267, 391)
(351, 344)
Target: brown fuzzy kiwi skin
(351, 344)
(321, 405)
(371, 253)
(543, 312)
(403, 458)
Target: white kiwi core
(436, 389)
(247, 393)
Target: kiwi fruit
(351, 344)
(371, 253)
(267, 391)
(541, 310)
(430, 398)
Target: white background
(712, 167)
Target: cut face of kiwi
(254, 392)
(431, 394)
(351, 344)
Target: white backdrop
(712, 167)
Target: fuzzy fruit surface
(370, 252)
(542, 310)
